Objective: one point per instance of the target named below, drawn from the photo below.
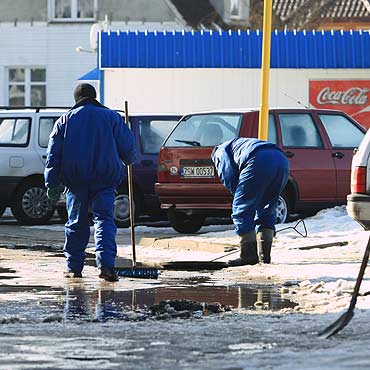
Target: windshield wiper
(192, 143)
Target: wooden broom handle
(131, 196)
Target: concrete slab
(182, 243)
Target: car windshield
(205, 130)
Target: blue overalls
(85, 154)
(255, 172)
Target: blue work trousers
(261, 181)
(77, 228)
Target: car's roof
(65, 109)
(146, 114)
(246, 110)
(33, 109)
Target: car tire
(283, 209)
(185, 224)
(2, 210)
(122, 209)
(30, 205)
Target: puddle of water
(76, 303)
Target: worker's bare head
(84, 91)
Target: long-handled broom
(143, 272)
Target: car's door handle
(289, 154)
(147, 162)
(338, 155)
(44, 156)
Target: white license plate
(200, 171)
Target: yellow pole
(265, 71)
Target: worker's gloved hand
(55, 192)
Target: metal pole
(265, 71)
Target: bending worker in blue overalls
(85, 154)
(255, 172)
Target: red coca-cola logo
(351, 96)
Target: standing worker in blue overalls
(255, 172)
(85, 154)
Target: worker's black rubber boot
(248, 251)
(108, 274)
(72, 274)
(264, 243)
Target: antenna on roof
(298, 102)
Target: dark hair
(84, 91)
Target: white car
(24, 137)
(358, 202)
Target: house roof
(329, 9)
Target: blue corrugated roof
(237, 49)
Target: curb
(187, 244)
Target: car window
(205, 130)
(341, 131)
(298, 130)
(153, 132)
(14, 131)
(45, 127)
(272, 136)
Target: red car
(318, 143)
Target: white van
(24, 137)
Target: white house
(45, 44)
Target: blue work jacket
(231, 156)
(88, 145)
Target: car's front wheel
(283, 209)
(30, 205)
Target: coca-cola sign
(353, 95)
(350, 96)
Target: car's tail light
(162, 172)
(359, 180)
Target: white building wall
(52, 47)
(179, 90)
